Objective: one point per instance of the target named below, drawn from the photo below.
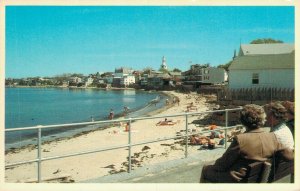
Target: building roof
(276, 61)
(175, 73)
(161, 75)
(263, 49)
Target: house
(158, 79)
(264, 66)
(120, 72)
(127, 80)
(198, 74)
(123, 77)
(75, 80)
(213, 75)
(88, 81)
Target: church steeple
(164, 63)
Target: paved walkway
(186, 170)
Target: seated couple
(254, 145)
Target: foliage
(265, 41)
(147, 70)
(176, 70)
(225, 66)
(105, 74)
(207, 65)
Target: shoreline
(74, 87)
(59, 136)
(110, 162)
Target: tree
(77, 75)
(147, 70)
(105, 74)
(265, 41)
(176, 70)
(225, 66)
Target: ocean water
(26, 107)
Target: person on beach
(245, 149)
(178, 101)
(111, 114)
(191, 106)
(216, 134)
(127, 127)
(276, 119)
(206, 141)
(167, 101)
(174, 100)
(126, 110)
(165, 122)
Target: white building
(89, 81)
(75, 80)
(212, 75)
(263, 65)
(208, 75)
(127, 80)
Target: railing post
(39, 155)
(129, 147)
(186, 135)
(226, 125)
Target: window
(255, 78)
(206, 77)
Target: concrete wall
(278, 78)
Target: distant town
(258, 71)
(123, 77)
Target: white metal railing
(40, 159)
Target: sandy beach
(90, 166)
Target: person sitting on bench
(276, 119)
(253, 145)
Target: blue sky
(46, 41)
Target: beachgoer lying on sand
(211, 127)
(206, 142)
(198, 140)
(166, 122)
(216, 134)
(211, 144)
(191, 107)
(201, 140)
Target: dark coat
(254, 145)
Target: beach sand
(95, 165)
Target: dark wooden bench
(274, 170)
(257, 172)
(267, 172)
(281, 169)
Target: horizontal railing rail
(40, 159)
(116, 120)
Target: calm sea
(48, 106)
